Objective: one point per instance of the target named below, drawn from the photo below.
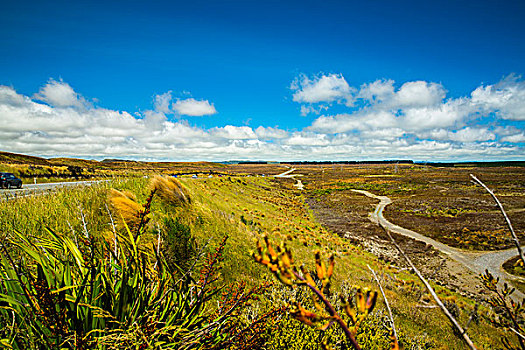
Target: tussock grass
(247, 209)
(170, 190)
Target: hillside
(246, 209)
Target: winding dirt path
(288, 174)
(476, 261)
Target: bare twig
(386, 302)
(509, 310)
(473, 314)
(514, 237)
(427, 306)
(84, 224)
(195, 260)
(438, 301)
(158, 245)
(73, 231)
(517, 333)
(113, 227)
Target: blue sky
(264, 79)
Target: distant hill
(22, 159)
(14, 158)
(507, 163)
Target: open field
(440, 203)
(327, 216)
(30, 168)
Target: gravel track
(475, 261)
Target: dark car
(8, 180)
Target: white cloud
(506, 98)
(308, 139)
(414, 121)
(9, 97)
(323, 88)
(364, 120)
(516, 138)
(194, 108)
(310, 109)
(448, 114)
(506, 130)
(162, 102)
(269, 133)
(383, 134)
(377, 91)
(467, 134)
(59, 94)
(419, 94)
(234, 132)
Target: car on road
(8, 180)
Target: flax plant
(102, 293)
(72, 297)
(508, 314)
(280, 262)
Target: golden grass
(126, 207)
(170, 190)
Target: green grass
(246, 209)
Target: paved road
(32, 189)
(476, 261)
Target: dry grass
(170, 190)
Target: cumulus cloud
(516, 138)
(162, 102)
(467, 134)
(418, 94)
(506, 98)
(413, 120)
(194, 108)
(308, 139)
(377, 91)
(234, 132)
(269, 133)
(323, 88)
(363, 120)
(59, 94)
(419, 112)
(309, 109)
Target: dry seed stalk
(438, 301)
(395, 344)
(507, 220)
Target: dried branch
(386, 302)
(514, 237)
(281, 264)
(434, 295)
(115, 238)
(473, 315)
(517, 333)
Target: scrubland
(196, 282)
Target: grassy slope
(246, 209)
(283, 216)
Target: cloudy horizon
(376, 120)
